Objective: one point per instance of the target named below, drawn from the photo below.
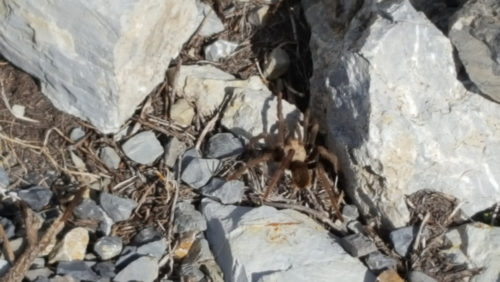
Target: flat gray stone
(190, 272)
(146, 235)
(76, 269)
(108, 247)
(35, 197)
(109, 157)
(188, 156)
(76, 134)
(128, 255)
(219, 49)
(119, 209)
(377, 261)
(226, 192)
(4, 266)
(199, 171)
(173, 150)
(35, 274)
(223, 145)
(155, 248)
(143, 269)
(211, 24)
(402, 239)
(88, 209)
(105, 269)
(350, 212)
(417, 276)
(187, 218)
(143, 148)
(182, 113)
(358, 245)
(4, 179)
(84, 52)
(8, 226)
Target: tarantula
(300, 155)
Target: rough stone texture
(36, 197)
(109, 157)
(227, 192)
(146, 235)
(143, 148)
(33, 274)
(211, 24)
(155, 248)
(105, 269)
(86, 52)
(72, 247)
(206, 86)
(143, 269)
(117, 208)
(277, 63)
(4, 266)
(475, 32)
(219, 49)
(4, 179)
(8, 227)
(377, 261)
(187, 219)
(182, 113)
(223, 145)
(199, 171)
(479, 245)
(417, 276)
(402, 239)
(251, 112)
(88, 209)
(270, 245)
(173, 150)
(396, 115)
(76, 134)
(358, 245)
(108, 247)
(76, 269)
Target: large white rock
(478, 245)
(264, 244)
(395, 113)
(96, 60)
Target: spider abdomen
(301, 177)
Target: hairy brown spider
(300, 155)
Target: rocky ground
(182, 192)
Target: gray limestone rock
(187, 218)
(395, 114)
(199, 171)
(350, 212)
(4, 266)
(36, 197)
(358, 245)
(108, 247)
(219, 49)
(190, 272)
(155, 248)
(146, 235)
(88, 209)
(402, 239)
(105, 269)
(211, 24)
(227, 192)
(36, 274)
(117, 208)
(128, 255)
(85, 52)
(475, 32)
(276, 64)
(76, 134)
(142, 269)
(377, 261)
(4, 179)
(143, 148)
(76, 269)
(417, 276)
(109, 157)
(8, 227)
(173, 150)
(223, 145)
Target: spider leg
(285, 163)
(330, 157)
(325, 183)
(250, 163)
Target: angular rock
(199, 171)
(109, 157)
(277, 63)
(417, 276)
(85, 52)
(475, 32)
(251, 112)
(128, 255)
(358, 245)
(108, 247)
(155, 248)
(479, 244)
(76, 134)
(76, 269)
(219, 49)
(227, 192)
(187, 218)
(206, 86)
(182, 113)
(143, 148)
(290, 246)
(210, 23)
(173, 150)
(350, 212)
(117, 208)
(4, 266)
(146, 235)
(88, 209)
(402, 239)
(188, 156)
(186, 241)
(396, 115)
(35, 197)
(35, 274)
(201, 256)
(377, 261)
(72, 247)
(8, 227)
(258, 15)
(142, 269)
(105, 269)
(223, 145)
(4, 179)
(189, 272)
(355, 226)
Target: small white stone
(72, 247)
(219, 49)
(18, 110)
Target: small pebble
(76, 269)
(146, 235)
(199, 171)
(34, 274)
(257, 16)
(105, 269)
(223, 145)
(188, 156)
(72, 247)
(219, 49)
(155, 248)
(4, 179)
(276, 64)
(350, 212)
(35, 197)
(119, 209)
(402, 239)
(88, 209)
(108, 247)
(109, 157)
(8, 226)
(199, 252)
(417, 276)
(76, 134)
(4, 266)
(182, 113)
(226, 192)
(187, 218)
(358, 245)
(355, 226)
(173, 150)
(211, 23)
(143, 148)
(143, 269)
(377, 261)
